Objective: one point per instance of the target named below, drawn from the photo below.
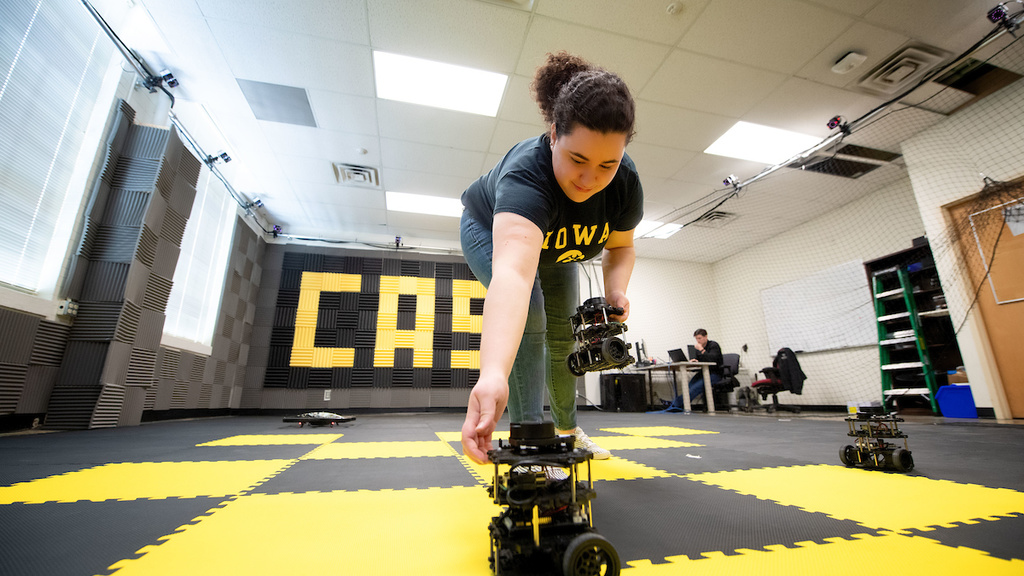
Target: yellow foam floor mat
(862, 554)
(443, 530)
(362, 532)
(145, 480)
(871, 498)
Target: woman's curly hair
(571, 91)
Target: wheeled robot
(597, 344)
(877, 443)
(546, 525)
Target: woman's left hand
(618, 299)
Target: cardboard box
(956, 377)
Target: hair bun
(556, 71)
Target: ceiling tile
(279, 57)
(806, 107)
(306, 170)
(421, 222)
(329, 145)
(871, 41)
(953, 25)
(434, 126)
(439, 30)
(431, 159)
(657, 161)
(644, 20)
(344, 112)
(712, 169)
(633, 60)
(518, 104)
(673, 127)
(779, 35)
(332, 196)
(343, 20)
(852, 7)
(698, 82)
(411, 182)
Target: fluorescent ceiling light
(759, 143)
(423, 204)
(655, 229)
(436, 84)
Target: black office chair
(720, 390)
(728, 383)
(784, 375)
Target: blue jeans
(547, 337)
(696, 387)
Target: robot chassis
(546, 526)
(597, 344)
(874, 446)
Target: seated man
(707, 351)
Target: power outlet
(67, 308)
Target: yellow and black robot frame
(877, 443)
(598, 346)
(546, 525)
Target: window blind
(53, 57)
(199, 277)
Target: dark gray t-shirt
(523, 183)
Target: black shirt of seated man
(712, 353)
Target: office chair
(730, 367)
(784, 375)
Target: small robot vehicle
(877, 445)
(597, 344)
(546, 526)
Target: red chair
(784, 375)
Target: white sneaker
(583, 441)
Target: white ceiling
(694, 74)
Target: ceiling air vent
(902, 71)
(356, 176)
(850, 161)
(714, 219)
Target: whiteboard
(827, 310)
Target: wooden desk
(672, 367)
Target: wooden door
(994, 259)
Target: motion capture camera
(731, 180)
(169, 78)
(997, 14)
(546, 525)
(597, 344)
(835, 122)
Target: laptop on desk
(677, 355)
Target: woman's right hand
(487, 403)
